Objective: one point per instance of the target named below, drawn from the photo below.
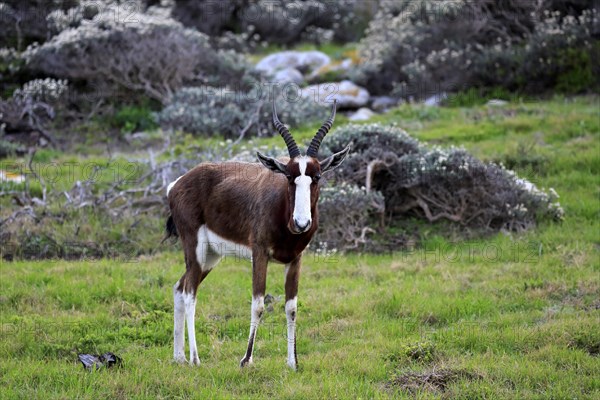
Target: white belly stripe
(223, 247)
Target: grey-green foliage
(416, 48)
(145, 52)
(439, 183)
(346, 217)
(276, 21)
(210, 111)
(24, 21)
(31, 107)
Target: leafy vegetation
(514, 321)
(420, 48)
(542, 139)
(103, 106)
(222, 111)
(507, 316)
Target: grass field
(508, 316)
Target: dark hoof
(245, 361)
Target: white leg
(179, 325)
(292, 277)
(206, 260)
(258, 307)
(189, 300)
(291, 308)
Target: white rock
(436, 99)
(363, 114)
(7, 176)
(289, 75)
(346, 64)
(496, 103)
(383, 103)
(347, 94)
(301, 60)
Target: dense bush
(282, 22)
(30, 108)
(24, 21)
(209, 111)
(375, 150)
(11, 64)
(155, 55)
(416, 48)
(134, 118)
(346, 215)
(436, 183)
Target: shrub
(346, 215)
(417, 48)
(134, 118)
(211, 111)
(375, 150)
(8, 148)
(30, 107)
(452, 184)
(24, 21)
(155, 56)
(283, 22)
(556, 54)
(437, 183)
(11, 64)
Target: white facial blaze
(211, 247)
(302, 205)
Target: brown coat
(245, 203)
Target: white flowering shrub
(47, 90)
(376, 149)
(451, 184)
(439, 183)
(144, 52)
(346, 215)
(416, 48)
(30, 107)
(24, 21)
(282, 22)
(212, 111)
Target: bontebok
(265, 212)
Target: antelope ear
(334, 160)
(271, 163)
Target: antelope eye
(316, 178)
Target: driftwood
(121, 201)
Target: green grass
(513, 316)
(526, 323)
(333, 50)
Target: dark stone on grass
(94, 362)
(269, 299)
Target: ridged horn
(313, 148)
(285, 134)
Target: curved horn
(313, 148)
(285, 134)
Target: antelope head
(303, 173)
